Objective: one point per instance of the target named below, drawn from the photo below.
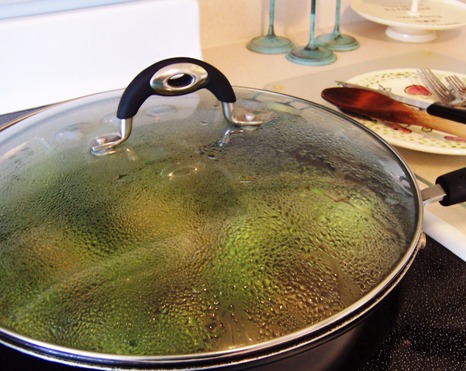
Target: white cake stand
(413, 21)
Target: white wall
(52, 57)
(21, 8)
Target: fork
(441, 92)
(450, 107)
(457, 86)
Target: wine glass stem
(271, 31)
(312, 43)
(336, 29)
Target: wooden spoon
(379, 106)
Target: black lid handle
(171, 77)
(454, 186)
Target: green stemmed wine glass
(312, 54)
(270, 43)
(336, 40)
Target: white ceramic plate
(406, 82)
(404, 25)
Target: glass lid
(195, 235)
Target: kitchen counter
(246, 68)
(275, 72)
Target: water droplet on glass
(160, 110)
(110, 119)
(181, 170)
(73, 132)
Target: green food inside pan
(212, 250)
(168, 271)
